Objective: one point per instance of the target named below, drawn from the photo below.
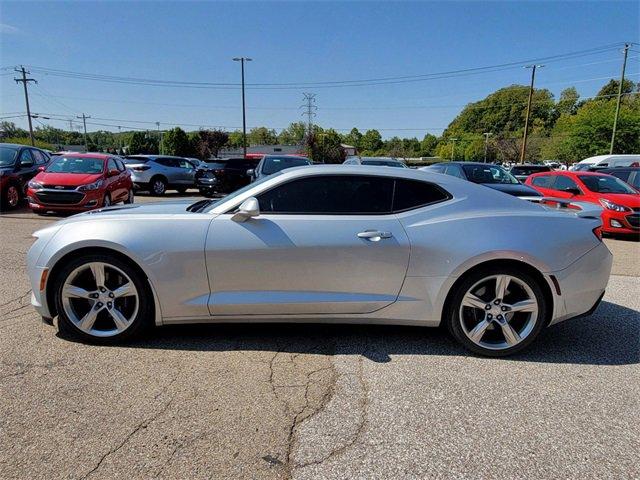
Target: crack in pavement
(144, 424)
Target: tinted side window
(330, 194)
(26, 157)
(437, 168)
(40, 157)
(621, 175)
(453, 170)
(544, 181)
(634, 179)
(413, 194)
(562, 183)
(120, 165)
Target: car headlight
(35, 185)
(609, 205)
(91, 186)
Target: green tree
(293, 135)
(262, 136)
(428, 145)
(324, 147)
(353, 138)
(235, 139)
(176, 142)
(611, 88)
(371, 141)
(568, 103)
(209, 143)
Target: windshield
(7, 156)
(488, 174)
(382, 163)
(86, 165)
(202, 204)
(605, 184)
(275, 164)
(582, 166)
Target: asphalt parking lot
(287, 401)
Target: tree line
(567, 129)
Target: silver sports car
(327, 244)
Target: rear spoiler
(581, 209)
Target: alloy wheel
(158, 187)
(100, 299)
(13, 197)
(498, 312)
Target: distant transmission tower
(310, 110)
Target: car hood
(135, 210)
(627, 199)
(67, 179)
(515, 189)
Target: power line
(310, 99)
(322, 84)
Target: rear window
(410, 194)
(275, 164)
(382, 163)
(214, 164)
(135, 160)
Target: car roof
(17, 145)
(100, 156)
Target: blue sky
(301, 42)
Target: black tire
(106, 201)
(130, 198)
(452, 317)
(181, 190)
(207, 192)
(11, 197)
(158, 186)
(142, 321)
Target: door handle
(374, 235)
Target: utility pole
(310, 107)
(526, 120)
(24, 80)
(615, 119)
(244, 113)
(84, 123)
(453, 147)
(486, 144)
(159, 138)
(120, 139)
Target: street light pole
(159, 138)
(526, 120)
(486, 144)
(453, 148)
(84, 123)
(244, 113)
(615, 119)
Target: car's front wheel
(11, 197)
(101, 299)
(497, 311)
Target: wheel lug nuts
(487, 306)
(504, 309)
(93, 295)
(99, 304)
(102, 289)
(489, 316)
(111, 295)
(496, 302)
(499, 317)
(109, 304)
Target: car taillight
(141, 168)
(598, 232)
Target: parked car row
(18, 165)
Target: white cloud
(5, 28)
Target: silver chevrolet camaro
(326, 244)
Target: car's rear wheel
(11, 197)
(101, 299)
(497, 311)
(158, 186)
(106, 201)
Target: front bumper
(44, 200)
(582, 284)
(621, 222)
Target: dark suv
(224, 175)
(18, 165)
(522, 172)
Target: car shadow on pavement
(611, 336)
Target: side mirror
(251, 172)
(572, 191)
(113, 173)
(26, 164)
(41, 168)
(248, 209)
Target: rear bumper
(582, 284)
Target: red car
(620, 202)
(80, 181)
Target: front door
(321, 245)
